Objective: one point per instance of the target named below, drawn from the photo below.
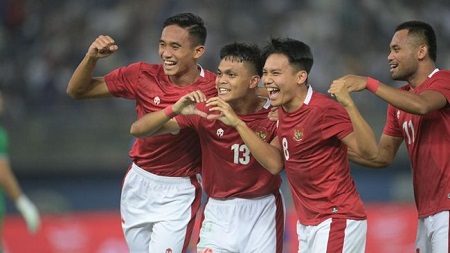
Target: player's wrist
(239, 123)
(372, 84)
(168, 111)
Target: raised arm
(362, 140)
(82, 84)
(419, 104)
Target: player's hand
(354, 82)
(186, 104)
(339, 90)
(29, 212)
(222, 111)
(102, 47)
(273, 114)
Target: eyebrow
(226, 71)
(170, 43)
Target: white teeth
(170, 63)
(272, 89)
(223, 90)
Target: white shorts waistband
(215, 201)
(161, 179)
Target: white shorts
(243, 225)
(433, 234)
(158, 213)
(333, 235)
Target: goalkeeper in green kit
(11, 188)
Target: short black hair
(422, 31)
(298, 53)
(243, 52)
(194, 25)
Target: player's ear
(254, 81)
(422, 52)
(302, 76)
(199, 51)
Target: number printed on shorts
(409, 131)
(241, 154)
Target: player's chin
(225, 97)
(275, 102)
(170, 71)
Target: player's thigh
(355, 236)
(169, 236)
(423, 244)
(440, 238)
(434, 235)
(216, 231)
(333, 235)
(158, 209)
(265, 226)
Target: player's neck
(248, 105)
(297, 101)
(421, 75)
(186, 78)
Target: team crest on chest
(262, 133)
(157, 100)
(298, 135)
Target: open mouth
(223, 91)
(393, 66)
(273, 91)
(169, 63)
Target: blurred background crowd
(75, 153)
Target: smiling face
(281, 80)
(234, 79)
(403, 56)
(177, 52)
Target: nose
(266, 80)
(164, 52)
(221, 79)
(390, 56)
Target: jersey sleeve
(336, 122)
(122, 82)
(441, 84)
(392, 128)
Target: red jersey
(316, 160)
(229, 169)
(427, 139)
(176, 155)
